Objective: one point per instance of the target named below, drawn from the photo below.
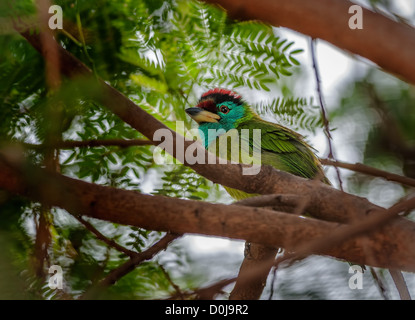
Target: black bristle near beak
(193, 111)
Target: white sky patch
(214, 244)
(402, 7)
(335, 66)
(336, 69)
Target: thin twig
(400, 284)
(70, 144)
(325, 120)
(273, 279)
(103, 238)
(359, 167)
(179, 292)
(207, 293)
(326, 123)
(50, 53)
(130, 265)
(381, 286)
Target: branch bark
(389, 44)
(254, 271)
(392, 246)
(122, 143)
(259, 258)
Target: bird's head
(219, 109)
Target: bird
(220, 112)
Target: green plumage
(283, 149)
(279, 146)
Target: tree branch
(389, 44)
(359, 167)
(259, 258)
(129, 265)
(70, 144)
(392, 246)
(400, 284)
(362, 227)
(321, 244)
(104, 239)
(207, 293)
(253, 272)
(326, 123)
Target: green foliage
(161, 54)
(245, 54)
(296, 113)
(377, 109)
(182, 182)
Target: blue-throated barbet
(225, 111)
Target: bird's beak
(199, 115)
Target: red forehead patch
(208, 105)
(222, 92)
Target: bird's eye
(224, 109)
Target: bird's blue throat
(209, 131)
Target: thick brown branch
(329, 20)
(391, 246)
(254, 271)
(250, 284)
(358, 167)
(259, 258)
(343, 233)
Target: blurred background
(163, 55)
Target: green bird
(220, 112)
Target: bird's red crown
(221, 92)
(213, 97)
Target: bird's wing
(283, 149)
